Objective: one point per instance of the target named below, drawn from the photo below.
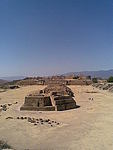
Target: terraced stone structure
(54, 97)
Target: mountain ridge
(11, 78)
(99, 73)
(3, 81)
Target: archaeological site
(55, 97)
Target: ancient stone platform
(54, 97)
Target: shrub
(110, 79)
(94, 80)
(76, 77)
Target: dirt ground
(89, 127)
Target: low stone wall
(79, 82)
(39, 103)
(104, 86)
(32, 108)
(65, 106)
(45, 81)
(34, 101)
(64, 102)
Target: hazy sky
(43, 37)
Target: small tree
(75, 77)
(94, 80)
(110, 79)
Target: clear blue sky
(44, 37)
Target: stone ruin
(104, 86)
(52, 98)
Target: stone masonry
(53, 97)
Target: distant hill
(102, 73)
(3, 81)
(11, 78)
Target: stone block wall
(56, 97)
